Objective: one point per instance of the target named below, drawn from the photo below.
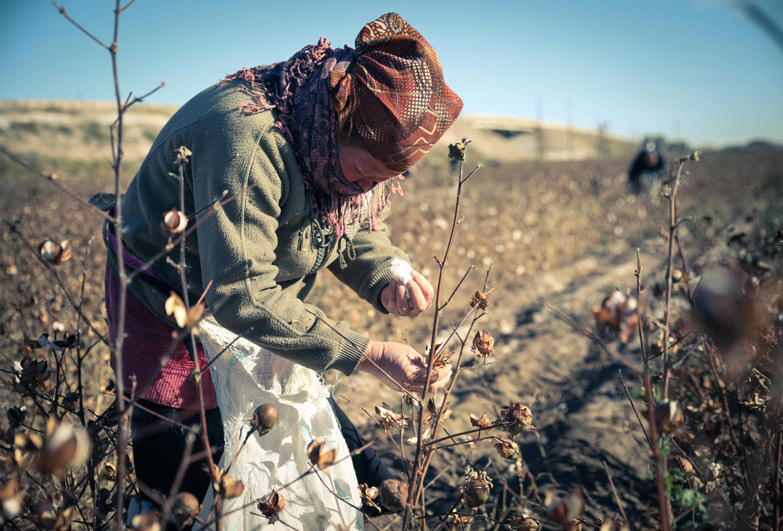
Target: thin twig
(660, 464)
(614, 491)
(223, 350)
(573, 323)
(55, 180)
(673, 226)
(126, 6)
(387, 375)
(417, 479)
(138, 99)
(65, 14)
(194, 354)
(724, 399)
(391, 437)
(76, 306)
(134, 402)
(636, 412)
(300, 477)
(442, 346)
(79, 385)
(499, 424)
(456, 288)
(177, 241)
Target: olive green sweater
(261, 251)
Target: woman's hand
(397, 364)
(408, 300)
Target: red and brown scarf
(403, 106)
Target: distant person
(648, 161)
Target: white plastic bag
(246, 376)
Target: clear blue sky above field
(694, 69)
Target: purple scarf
(299, 90)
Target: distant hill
(512, 139)
(78, 130)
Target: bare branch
(72, 21)
(76, 306)
(54, 179)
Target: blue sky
(697, 69)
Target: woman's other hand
(408, 300)
(397, 364)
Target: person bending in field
(648, 161)
(312, 149)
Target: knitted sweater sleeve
(237, 245)
(370, 271)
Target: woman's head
(359, 166)
(393, 101)
(356, 118)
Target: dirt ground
(553, 236)
(560, 237)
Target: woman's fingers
(403, 298)
(428, 292)
(409, 299)
(421, 293)
(417, 299)
(443, 376)
(397, 364)
(390, 297)
(395, 299)
(439, 378)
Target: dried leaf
(271, 504)
(185, 318)
(389, 418)
(319, 455)
(483, 343)
(232, 488)
(457, 151)
(415, 440)
(480, 300)
(517, 418)
(182, 156)
(507, 449)
(368, 495)
(480, 422)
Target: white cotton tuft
(401, 271)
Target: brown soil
(580, 232)
(556, 234)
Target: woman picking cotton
(312, 148)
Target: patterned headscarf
(403, 103)
(402, 107)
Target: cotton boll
(401, 271)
